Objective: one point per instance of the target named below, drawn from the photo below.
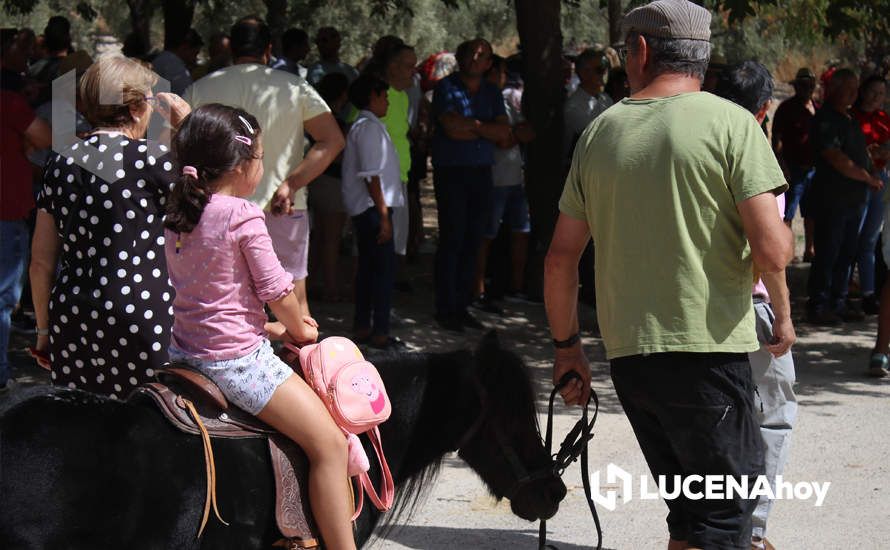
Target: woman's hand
(40, 351)
(172, 107)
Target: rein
(573, 446)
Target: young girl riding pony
(221, 263)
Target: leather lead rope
(574, 445)
(210, 500)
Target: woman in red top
(875, 124)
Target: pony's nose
(557, 490)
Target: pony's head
(503, 445)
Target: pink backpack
(353, 392)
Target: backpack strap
(361, 497)
(382, 501)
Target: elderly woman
(105, 323)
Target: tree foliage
(754, 28)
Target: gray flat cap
(669, 19)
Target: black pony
(84, 472)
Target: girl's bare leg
(297, 412)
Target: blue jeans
(14, 241)
(375, 274)
(835, 239)
(463, 197)
(870, 230)
(801, 177)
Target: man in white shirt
(173, 63)
(589, 100)
(285, 106)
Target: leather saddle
(195, 405)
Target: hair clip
(247, 125)
(190, 171)
(244, 139)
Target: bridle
(574, 446)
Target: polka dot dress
(111, 308)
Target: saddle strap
(210, 466)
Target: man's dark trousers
(375, 274)
(693, 414)
(463, 198)
(835, 238)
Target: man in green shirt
(676, 187)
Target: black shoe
(450, 323)
(467, 320)
(486, 304)
(391, 344)
(870, 304)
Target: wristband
(42, 331)
(568, 342)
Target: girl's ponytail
(209, 143)
(187, 201)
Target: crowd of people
(136, 252)
(462, 111)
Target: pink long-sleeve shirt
(223, 272)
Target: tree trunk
(178, 15)
(540, 34)
(615, 17)
(276, 18)
(140, 20)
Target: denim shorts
(508, 204)
(247, 381)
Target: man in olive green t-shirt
(676, 187)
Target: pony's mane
(507, 384)
(412, 491)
